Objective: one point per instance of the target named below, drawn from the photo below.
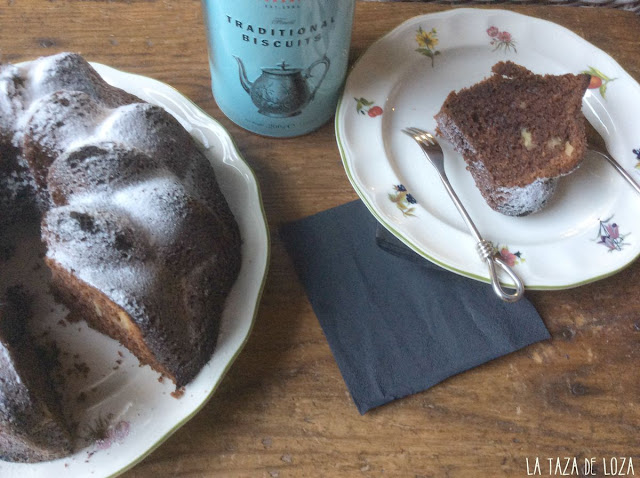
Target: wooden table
(283, 409)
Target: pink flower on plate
(609, 235)
(504, 37)
(501, 40)
(508, 257)
(608, 242)
(613, 231)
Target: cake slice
(518, 132)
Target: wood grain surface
(283, 409)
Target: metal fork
(605, 154)
(596, 144)
(433, 152)
(617, 167)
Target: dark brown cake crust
(517, 131)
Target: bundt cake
(517, 132)
(140, 240)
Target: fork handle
(485, 249)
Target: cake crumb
(178, 393)
(79, 369)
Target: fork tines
(419, 134)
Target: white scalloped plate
(115, 392)
(590, 228)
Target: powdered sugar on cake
(513, 200)
(532, 197)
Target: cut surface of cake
(518, 132)
(140, 240)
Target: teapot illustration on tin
(282, 92)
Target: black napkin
(396, 323)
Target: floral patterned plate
(125, 411)
(588, 231)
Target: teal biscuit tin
(277, 67)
